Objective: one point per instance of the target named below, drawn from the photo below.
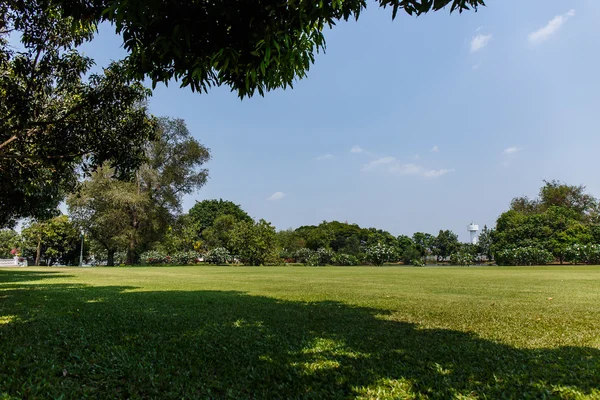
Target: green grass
(296, 332)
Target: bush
(303, 255)
(524, 256)
(462, 258)
(320, 257)
(185, 258)
(586, 254)
(344, 259)
(153, 257)
(418, 262)
(218, 255)
(409, 255)
(379, 253)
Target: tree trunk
(110, 260)
(38, 252)
(131, 250)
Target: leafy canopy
(250, 46)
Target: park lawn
(300, 332)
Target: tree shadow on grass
(80, 341)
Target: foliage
(185, 258)
(52, 241)
(56, 119)
(289, 241)
(462, 258)
(320, 257)
(253, 242)
(219, 234)
(444, 244)
(524, 256)
(586, 254)
(138, 214)
(9, 240)
(303, 255)
(410, 254)
(379, 254)
(424, 243)
(204, 213)
(485, 242)
(418, 262)
(155, 257)
(248, 48)
(344, 260)
(103, 206)
(218, 255)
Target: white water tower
(473, 229)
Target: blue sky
(417, 124)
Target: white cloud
(276, 196)
(511, 150)
(325, 156)
(357, 149)
(380, 161)
(435, 149)
(551, 27)
(479, 42)
(393, 166)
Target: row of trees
(140, 221)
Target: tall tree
(138, 213)
(54, 122)
(204, 213)
(103, 207)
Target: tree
(204, 213)
(237, 43)
(444, 244)
(54, 240)
(139, 213)
(54, 122)
(9, 241)
(289, 241)
(423, 243)
(253, 242)
(484, 243)
(103, 207)
(219, 234)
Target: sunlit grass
(296, 332)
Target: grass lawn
(300, 332)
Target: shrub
(344, 259)
(587, 254)
(529, 255)
(320, 257)
(462, 258)
(303, 255)
(218, 255)
(379, 253)
(154, 257)
(418, 262)
(409, 255)
(185, 258)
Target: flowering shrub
(154, 257)
(379, 253)
(587, 254)
(344, 259)
(185, 258)
(320, 257)
(218, 255)
(303, 254)
(524, 256)
(462, 258)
